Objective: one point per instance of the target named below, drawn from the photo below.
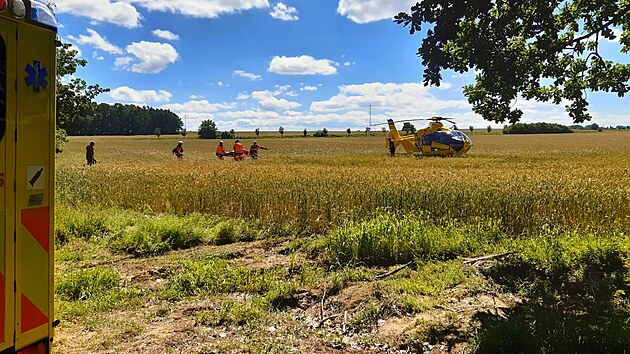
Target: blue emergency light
(42, 14)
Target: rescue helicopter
(434, 140)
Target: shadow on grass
(581, 307)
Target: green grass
(233, 313)
(142, 234)
(390, 238)
(87, 283)
(213, 275)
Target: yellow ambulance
(28, 32)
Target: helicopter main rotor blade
(402, 121)
(436, 119)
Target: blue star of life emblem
(36, 76)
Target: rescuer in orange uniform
(253, 150)
(239, 152)
(179, 150)
(221, 151)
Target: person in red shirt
(221, 151)
(179, 150)
(253, 150)
(239, 152)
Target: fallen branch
(487, 258)
(327, 319)
(448, 308)
(392, 272)
(321, 309)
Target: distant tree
(593, 126)
(489, 129)
(281, 131)
(119, 119)
(157, 132)
(60, 140)
(321, 133)
(348, 131)
(621, 127)
(536, 128)
(408, 128)
(257, 131)
(384, 130)
(208, 130)
(75, 98)
(227, 135)
(471, 128)
(367, 130)
(183, 132)
(305, 133)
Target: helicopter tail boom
(393, 132)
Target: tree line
(119, 119)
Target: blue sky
(250, 64)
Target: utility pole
(370, 121)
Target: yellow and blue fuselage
(434, 140)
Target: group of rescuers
(238, 153)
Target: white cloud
(201, 8)
(262, 95)
(302, 65)
(96, 56)
(164, 34)
(110, 11)
(98, 41)
(123, 62)
(284, 12)
(268, 101)
(195, 97)
(242, 96)
(349, 109)
(127, 94)
(406, 99)
(150, 57)
(277, 104)
(308, 88)
(222, 84)
(247, 75)
(202, 106)
(361, 11)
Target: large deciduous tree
(543, 50)
(208, 130)
(75, 98)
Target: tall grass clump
(388, 238)
(81, 223)
(154, 236)
(87, 283)
(213, 275)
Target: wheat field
(328, 245)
